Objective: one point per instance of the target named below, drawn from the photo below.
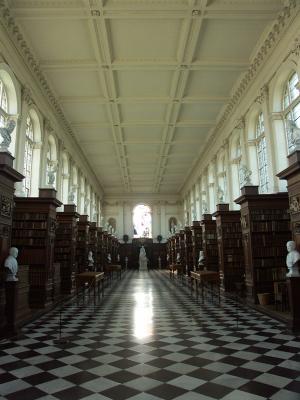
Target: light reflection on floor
(143, 314)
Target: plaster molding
(27, 96)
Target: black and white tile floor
(148, 340)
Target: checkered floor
(149, 340)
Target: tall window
(29, 143)
(3, 104)
(142, 221)
(291, 108)
(261, 151)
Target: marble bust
(11, 265)
(90, 260)
(178, 258)
(109, 258)
(292, 259)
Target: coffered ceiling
(143, 83)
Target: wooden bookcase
(65, 246)
(292, 175)
(82, 247)
(100, 259)
(159, 250)
(180, 247)
(230, 247)
(188, 250)
(93, 243)
(8, 177)
(33, 233)
(209, 242)
(265, 223)
(196, 229)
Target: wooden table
(207, 280)
(176, 268)
(91, 279)
(111, 268)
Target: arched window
(261, 151)
(291, 109)
(28, 156)
(142, 221)
(3, 104)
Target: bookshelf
(93, 243)
(100, 261)
(265, 224)
(33, 233)
(159, 251)
(188, 249)
(65, 246)
(8, 177)
(292, 175)
(82, 247)
(180, 248)
(196, 229)
(209, 242)
(230, 247)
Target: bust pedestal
(293, 284)
(11, 299)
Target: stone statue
(220, 195)
(143, 261)
(201, 259)
(11, 265)
(204, 207)
(178, 258)
(51, 173)
(71, 196)
(292, 259)
(118, 258)
(109, 258)
(294, 133)
(245, 176)
(90, 261)
(6, 135)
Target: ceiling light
(196, 13)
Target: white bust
(90, 259)
(292, 258)
(201, 258)
(109, 258)
(11, 265)
(178, 258)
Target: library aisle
(147, 340)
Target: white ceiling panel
(75, 83)
(143, 84)
(143, 134)
(143, 112)
(69, 39)
(144, 39)
(93, 134)
(211, 83)
(85, 112)
(199, 111)
(217, 34)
